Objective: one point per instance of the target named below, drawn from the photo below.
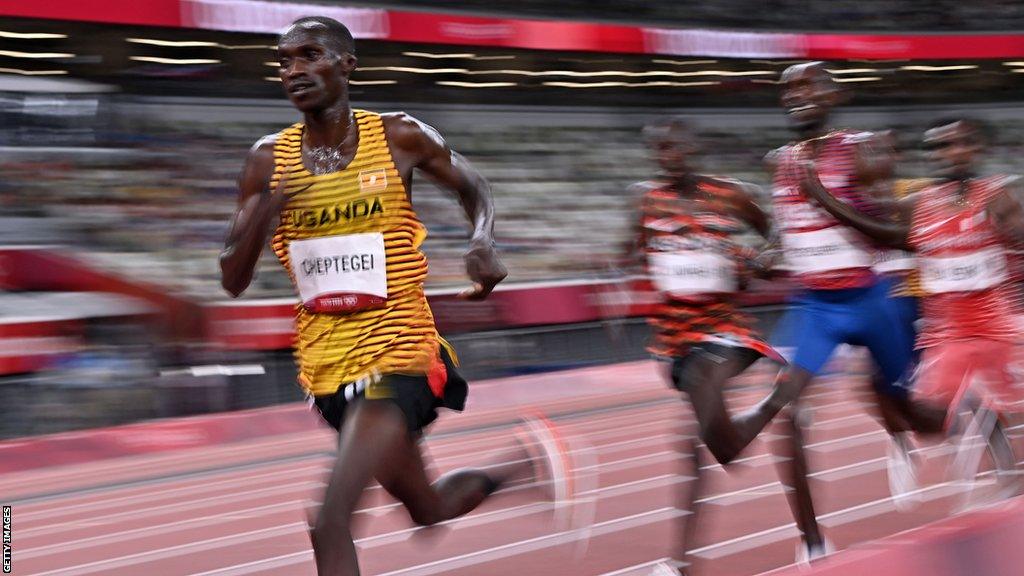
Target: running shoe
(805, 553)
(902, 473)
(669, 568)
(551, 460)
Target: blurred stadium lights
(197, 44)
(35, 55)
(477, 84)
(851, 70)
(31, 35)
(32, 72)
(625, 73)
(172, 43)
(439, 56)
(178, 58)
(860, 79)
(939, 68)
(687, 62)
(626, 84)
(182, 61)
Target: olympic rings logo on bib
(339, 274)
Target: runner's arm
(632, 251)
(250, 226)
(1008, 210)
(895, 234)
(764, 259)
(426, 150)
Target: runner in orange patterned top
(688, 233)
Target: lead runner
(369, 355)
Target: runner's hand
(484, 269)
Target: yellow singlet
(367, 196)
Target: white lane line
(191, 523)
(371, 541)
(159, 494)
(637, 567)
(836, 518)
(247, 481)
(524, 546)
(170, 552)
(303, 487)
(767, 489)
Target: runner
(368, 351)
(843, 301)
(962, 227)
(899, 415)
(688, 229)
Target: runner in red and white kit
(843, 300)
(962, 228)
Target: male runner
(900, 267)
(843, 301)
(368, 351)
(687, 232)
(962, 227)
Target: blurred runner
(689, 232)
(962, 226)
(843, 301)
(368, 352)
(900, 267)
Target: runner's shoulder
(259, 163)
(406, 132)
(857, 137)
(638, 190)
(774, 157)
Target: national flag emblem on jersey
(373, 180)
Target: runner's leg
(703, 375)
(792, 463)
(369, 435)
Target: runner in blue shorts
(843, 300)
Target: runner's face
(808, 97)
(954, 148)
(673, 152)
(313, 73)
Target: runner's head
(673, 145)
(954, 145)
(808, 95)
(316, 57)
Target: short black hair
(982, 132)
(667, 126)
(336, 32)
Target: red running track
(238, 509)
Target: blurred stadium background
(124, 125)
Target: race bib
(824, 250)
(969, 273)
(690, 272)
(340, 273)
(892, 261)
